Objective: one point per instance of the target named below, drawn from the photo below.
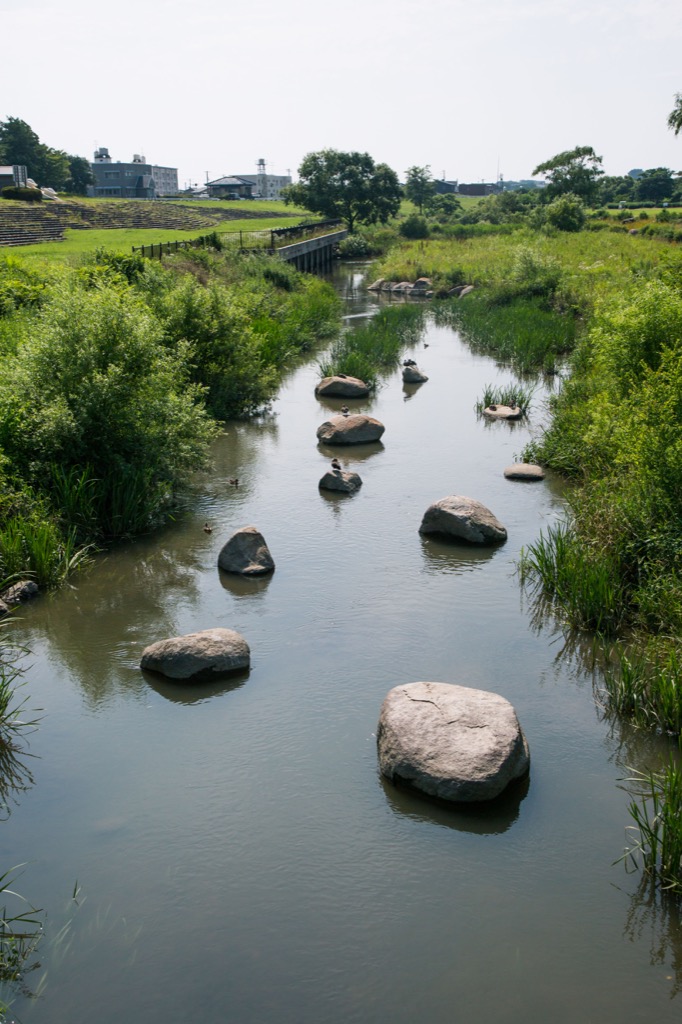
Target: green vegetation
(113, 377)
(349, 186)
(367, 351)
(514, 395)
(657, 830)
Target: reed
(376, 347)
(646, 688)
(37, 547)
(657, 829)
(519, 395)
(581, 585)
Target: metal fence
(245, 241)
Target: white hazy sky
(466, 86)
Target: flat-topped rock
(246, 553)
(450, 742)
(524, 471)
(340, 480)
(208, 654)
(342, 386)
(503, 412)
(464, 519)
(413, 375)
(354, 429)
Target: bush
(566, 213)
(354, 247)
(26, 195)
(93, 387)
(414, 226)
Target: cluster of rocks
(422, 288)
(444, 741)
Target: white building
(267, 186)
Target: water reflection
(410, 390)
(179, 692)
(335, 405)
(655, 918)
(244, 586)
(351, 453)
(15, 777)
(484, 819)
(444, 556)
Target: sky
(472, 89)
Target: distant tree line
(49, 168)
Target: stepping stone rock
(246, 553)
(340, 480)
(466, 290)
(413, 375)
(355, 429)
(524, 471)
(377, 286)
(20, 592)
(463, 519)
(451, 742)
(402, 287)
(198, 656)
(342, 386)
(3, 609)
(503, 412)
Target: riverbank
(114, 378)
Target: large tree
(80, 176)
(419, 186)
(349, 186)
(675, 115)
(19, 144)
(575, 171)
(655, 185)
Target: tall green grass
(513, 395)
(645, 687)
(657, 829)
(375, 348)
(580, 583)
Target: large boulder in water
(340, 480)
(413, 375)
(450, 742)
(198, 656)
(246, 553)
(354, 429)
(342, 386)
(463, 519)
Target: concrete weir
(312, 256)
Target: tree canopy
(675, 115)
(419, 186)
(349, 186)
(49, 167)
(575, 171)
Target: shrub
(94, 387)
(414, 226)
(566, 213)
(26, 195)
(354, 247)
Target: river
(236, 855)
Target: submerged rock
(524, 471)
(340, 480)
(198, 656)
(246, 553)
(354, 429)
(503, 412)
(464, 519)
(342, 386)
(451, 742)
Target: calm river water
(237, 855)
